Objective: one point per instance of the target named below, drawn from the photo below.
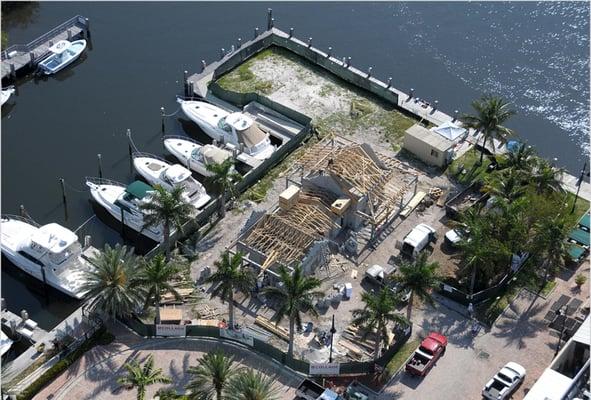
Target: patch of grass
(326, 89)
(581, 206)
(242, 80)
(400, 357)
(467, 169)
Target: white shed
(435, 146)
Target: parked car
(427, 354)
(417, 240)
(504, 383)
(453, 237)
(382, 277)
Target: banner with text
(171, 330)
(324, 369)
(239, 336)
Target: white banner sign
(171, 330)
(324, 369)
(239, 336)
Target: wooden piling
(203, 65)
(22, 211)
(348, 62)
(87, 28)
(100, 166)
(122, 222)
(269, 18)
(239, 43)
(163, 115)
(309, 42)
(329, 53)
(290, 33)
(369, 72)
(185, 85)
(256, 32)
(191, 90)
(63, 186)
(389, 82)
(222, 53)
(69, 32)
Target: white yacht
(63, 53)
(124, 202)
(194, 155)
(5, 343)
(235, 130)
(50, 250)
(6, 93)
(159, 172)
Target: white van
(417, 240)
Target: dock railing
(25, 48)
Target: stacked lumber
(271, 327)
(289, 197)
(412, 204)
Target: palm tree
(251, 385)
(506, 184)
(108, 286)
(549, 241)
(231, 276)
(546, 178)
(224, 178)
(210, 377)
(378, 312)
(296, 295)
(420, 277)
(154, 278)
(522, 159)
(491, 113)
(141, 377)
(168, 394)
(168, 209)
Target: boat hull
(182, 150)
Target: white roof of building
(54, 237)
(583, 334)
(431, 138)
(550, 386)
(328, 395)
(449, 130)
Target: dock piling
(329, 52)
(455, 116)
(369, 72)
(222, 53)
(87, 27)
(239, 43)
(63, 186)
(50, 43)
(309, 42)
(100, 166)
(269, 18)
(389, 82)
(272, 23)
(128, 134)
(411, 93)
(191, 90)
(163, 115)
(22, 211)
(203, 65)
(256, 32)
(87, 239)
(32, 57)
(69, 32)
(348, 62)
(344, 62)
(185, 83)
(290, 33)
(122, 222)
(436, 104)
(12, 70)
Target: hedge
(100, 337)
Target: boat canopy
(177, 173)
(53, 237)
(214, 155)
(449, 130)
(60, 47)
(139, 189)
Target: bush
(101, 337)
(580, 279)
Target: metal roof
(433, 139)
(583, 334)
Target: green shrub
(580, 279)
(99, 337)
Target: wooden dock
(18, 57)
(10, 319)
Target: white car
(504, 383)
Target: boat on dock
(195, 155)
(159, 172)
(50, 253)
(5, 343)
(123, 203)
(237, 131)
(63, 53)
(6, 93)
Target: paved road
(519, 335)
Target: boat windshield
(223, 125)
(67, 253)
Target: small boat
(123, 202)
(235, 130)
(5, 343)
(63, 53)
(50, 253)
(159, 172)
(194, 155)
(6, 93)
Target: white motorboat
(235, 130)
(50, 250)
(159, 172)
(6, 93)
(194, 155)
(63, 53)
(123, 202)
(5, 343)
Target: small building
(434, 146)
(171, 315)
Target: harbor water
(536, 55)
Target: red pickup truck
(431, 348)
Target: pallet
(271, 327)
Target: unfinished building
(343, 187)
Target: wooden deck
(17, 57)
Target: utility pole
(579, 183)
(332, 332)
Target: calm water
(534, 54)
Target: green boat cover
(139, 189)
(585, 221)
(580, 236)
(575, 251)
